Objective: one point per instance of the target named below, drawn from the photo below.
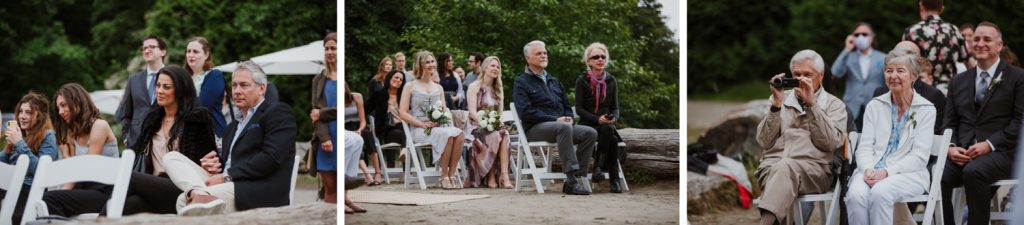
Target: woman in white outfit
(445, 140)
(892, 156)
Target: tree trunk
(655, 152)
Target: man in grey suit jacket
(863, 64)
(140, 90)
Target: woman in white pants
(892, 156)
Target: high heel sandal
(505, 183)
(444, 183)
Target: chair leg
(519, 168)
(383, 165)
(798, 215)
(622, 176)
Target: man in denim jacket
(542, 105)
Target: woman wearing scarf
(597, 104)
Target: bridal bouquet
(490, 120)
(436, 113)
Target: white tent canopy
(303, 60)
(107, 100)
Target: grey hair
(526, 49)
(905, 58)
(807, 54)
(258, 75)
(594, 46)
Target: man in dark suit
(984, 108)
(140, 90)
(254, 168)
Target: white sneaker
(202, 209)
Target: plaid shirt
(942, 44)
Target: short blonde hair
(595, 46)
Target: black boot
(616, 185)
(598, 174)
(573, 187)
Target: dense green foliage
(96, 43)
(732, 42)
(644, 55)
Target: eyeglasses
(596, 57)
(149, 47)
(861, 34)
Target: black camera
(786, 81)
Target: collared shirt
(543, 77)
(942, 44)
(865, 64)
(991, 78)
(198, 80)
(243, 122)
(150, 76)
(894, 137)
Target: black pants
(977, 177)
(19, 206)
(608, 149)
(391, 135)
(152, 194)
(85, 198)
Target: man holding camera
(797, 137)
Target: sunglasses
(861, 34)
(596, 57)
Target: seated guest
(353, 148)
(903, 120)
(177, 123)
(446, 141)
(597, 103)
(983, 109)
(922, 88)
(489, 157)
(543, 107)
(33, 137)
(254, 168)
(355, 120)
(387, 124)
(81, 130)
(798, 137)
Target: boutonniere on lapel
(999, 79)
(913, 122)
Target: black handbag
(141, 163)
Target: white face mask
(861, 42)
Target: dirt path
(650, 204)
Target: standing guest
(324, 115)
(209, 82)
(452, 84)
(33, 137)
(400, 65)
(254, 168)
(904, 120)
(597, 103)
(863, 64)
(939, 41)
(798, 136)
(177, 123)
(80, 131)
(485, 96)
(475, 58)
(542, 105)
(446, 141)
(353, 148)
(967, 30)
(140, 90)
(981, 106)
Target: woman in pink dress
(489, 145)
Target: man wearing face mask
(862, 66)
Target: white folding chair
(996, 215)
(11, 179)
(415, 164)
(524, 157)
(380, 154)
(295, 178)
(94, 168)
(933, 198)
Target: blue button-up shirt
(243, 121)
(894, 137)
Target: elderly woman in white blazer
(892, 156)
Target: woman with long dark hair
(387, 124)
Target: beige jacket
(806, 134)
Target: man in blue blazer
(253, 170)
(140, 90)
(862, 66)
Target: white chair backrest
(295, 177)
(519, 124)
(940, 147)
(408, 134)
(11, 179)
(94, 168)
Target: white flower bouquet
(490, 120)
(436, 113)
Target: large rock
(302, 213)
(653, 151)
(738, 130)
(713, 192)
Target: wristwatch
(227, 178)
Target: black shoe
(573, 187)
(616, 185)
(598, 175)
(354, 182)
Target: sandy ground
(649, 204)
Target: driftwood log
(652, 151)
